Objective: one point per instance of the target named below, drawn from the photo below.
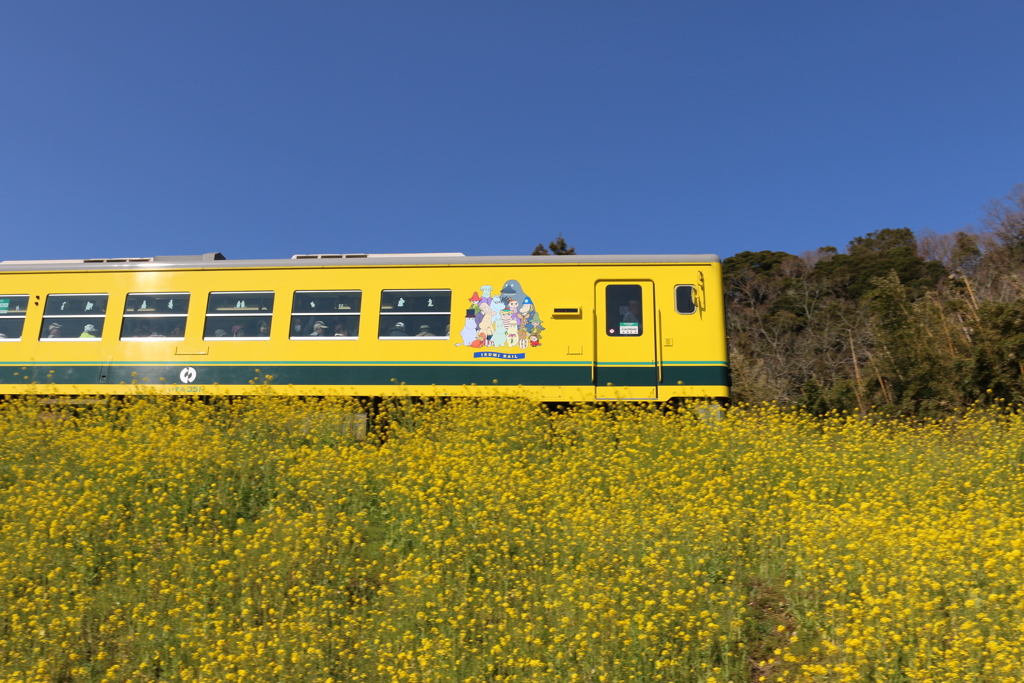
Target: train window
(686, 299)
(239, 315)
(12, 316)
(326, 315)
(415, 313)
(154, 316)
(624, 310)
(73, 317)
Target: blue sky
(266, 129)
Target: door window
(624, 311)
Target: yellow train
(551, 328)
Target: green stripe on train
(696, 375)
(334, 374)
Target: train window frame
(614, 295)
(693, 299)
(241, 312)
(127, 317)
(321, 316)
(385, 314)
(50, 319)
(6, 314)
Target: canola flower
(493, 540)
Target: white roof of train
(217, 260)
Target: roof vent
(211, 256)
(118, 260)
(80, 260)
(452, 254)
(315, 256)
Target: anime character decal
(502, 322)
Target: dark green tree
(965, 257)
(874, 256)
(557, 247)
(998, 351)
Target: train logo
(188, 375)
(499, 321)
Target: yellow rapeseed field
(492, 540)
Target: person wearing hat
(424, 331)
(318, 329)
(237, 331)
(397, 330)
(87, 332)
(53, 330)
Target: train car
(550, 328)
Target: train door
(625, 363)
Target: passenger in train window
(397, 330)
(264, 329)
(425, 331)
(340, 331)
(633, 314)
(220, 333)
(319, 329)
(238, 331)
(177, 332)
(87, 332)
(158, 330)
(53, 331)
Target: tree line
(896, 323)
